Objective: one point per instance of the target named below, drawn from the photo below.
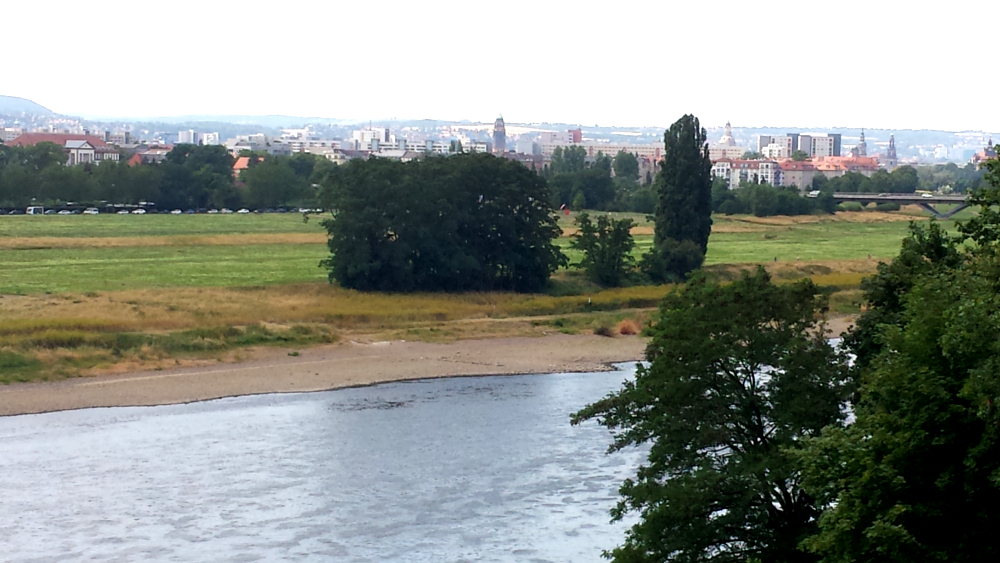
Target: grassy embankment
(112, 293)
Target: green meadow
(108, 253)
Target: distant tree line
(902, 180)
(579, 184)
(191, 177)
(765, 200)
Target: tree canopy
(607, 248)
(683, 218)
(915, 477)
(464, 222)
(738, 374)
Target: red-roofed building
(798, 174)
(80, 149)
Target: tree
(905, 180)
(607, 248)
(626, 166)
(273, 183)
(752, 155)
(684, 210)
(915, 477)
(465, 222)
(738, 374)
(799, 156)
(568, 160)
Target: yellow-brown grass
(628, 327)
(636, 231)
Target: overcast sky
(875, 64)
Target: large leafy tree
(684, 208)
(465, 222)
(738, 374)
(916, 477)
(626, 166)
(607, 248)
(275, 182)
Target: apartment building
(813, 144)
(734, 171)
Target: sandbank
(347, 364)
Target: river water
(446, 470)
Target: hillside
(11, 105)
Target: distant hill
(13, 105)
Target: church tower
(499, 137)
(891, 152)
(862, 147)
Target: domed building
(726, 147)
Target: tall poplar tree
(684, 210)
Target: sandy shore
(329, 367)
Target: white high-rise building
(210, 138)
(189, 137)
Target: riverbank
(347, 364)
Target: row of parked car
(39, 210)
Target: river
(442, 470)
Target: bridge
(927, 201)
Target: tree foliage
(626, 166)
(192, 176)
(607, 248)
(465, 222)
(683, 218)
(916, 477)
(738, 374)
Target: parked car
(213, 211)
(138, 212)
(176, 212)
(91, 211)
(189, 212)
(49, 212)
(65, 212)
(243, 211)
(35, 210)
(226, 210)
(123, 212)
(16, 212)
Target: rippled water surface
(468, 469)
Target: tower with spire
(862, 147)
(499, 136)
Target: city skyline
(884, 66)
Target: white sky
(877, 64)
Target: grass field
(82, 294)
(107, 253)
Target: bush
(604, 331)
(850, 206)
(887, 206)
(672, 261)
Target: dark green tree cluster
(901, 180)
(950, 177)
(744, 403)
(684, 207)
(607, 248)
(916, 477)
(191, 177)
(457, 223)
(738, 375)
(579, 184)
(765, 200)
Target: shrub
(887, 206)
(850, 206)
(604, 331)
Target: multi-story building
(189, 137)
(79, 149)
(209, 138)
(734, 171)
(499, 136)
(8, 134)
(813, 144)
